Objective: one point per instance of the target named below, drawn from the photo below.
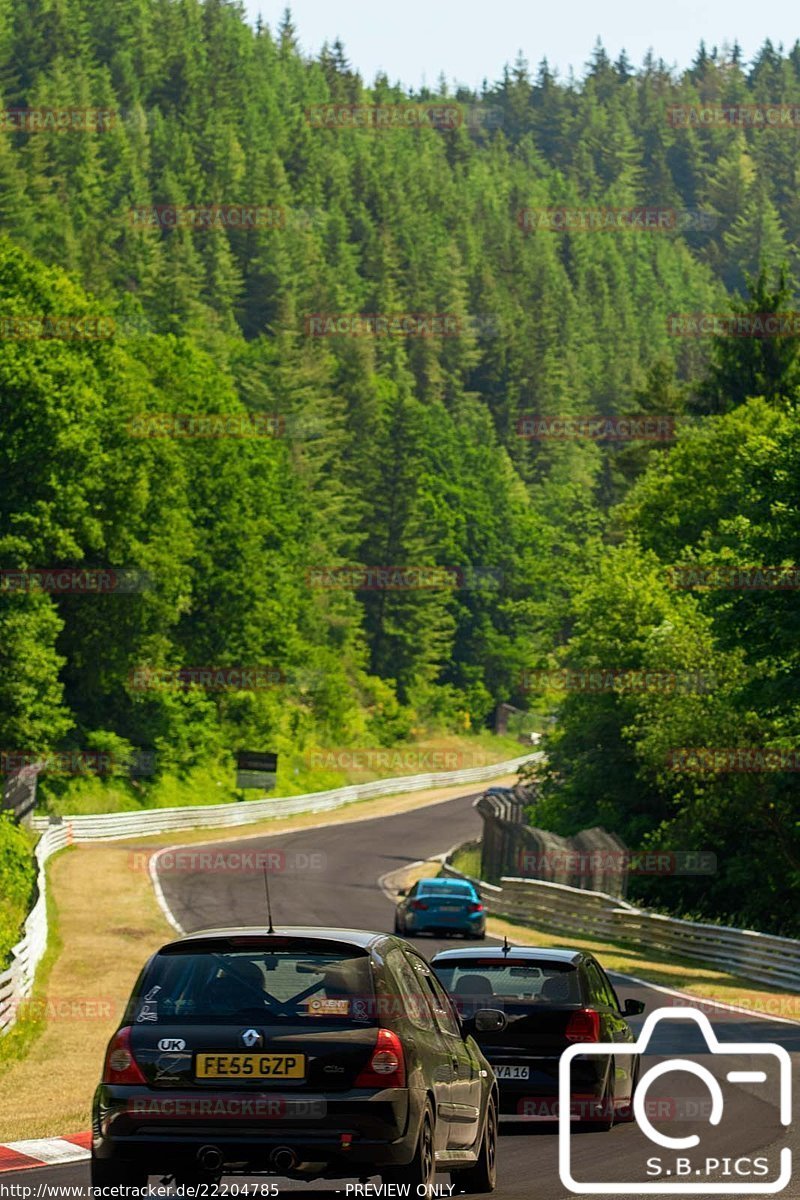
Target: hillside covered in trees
(397, 450)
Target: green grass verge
(468, 861)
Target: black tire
(398, 927)
(481, 1178)
(422, 1168)
(478, 937)
(108, 1172)
(603, 1120)
(624, 1115)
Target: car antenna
(506, 946)
(269, 905)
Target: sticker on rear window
(149, 1009)
(327, 1008)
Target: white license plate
(512, 1072)
(449, 908)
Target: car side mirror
(402, 892)
(633, 1008)
(490, 1020)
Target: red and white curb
(44, 1152)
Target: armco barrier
(16, 983)
(760, 957)
(216, 816)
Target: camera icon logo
(686, 1175)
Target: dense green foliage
(723, 661)
(397, 451)
(17, 877)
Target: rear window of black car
(524, 981)
(260, 985)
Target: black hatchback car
(304, 1053)
(552, 999)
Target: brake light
(386, 1067)
(418, 905)
(120, 1065)
(476, 908)
(583, 1026)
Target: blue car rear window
(456, 888)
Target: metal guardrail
(760, 957)
(218, 816)
(16, 983)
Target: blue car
(441, 906)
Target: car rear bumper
(537, 1097)
(435, 922)
(358, 1127)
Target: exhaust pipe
(209, 1158)
(283, 1159)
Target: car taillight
(583, 1026)
(120, 1065)
(386, 1067)
(476, 908)
(418, 905)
